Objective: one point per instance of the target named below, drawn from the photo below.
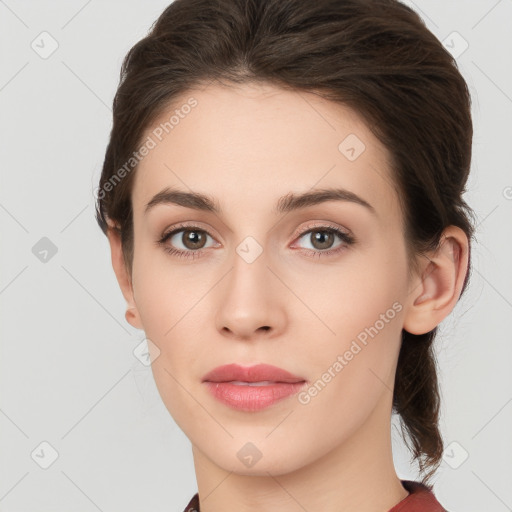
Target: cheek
(354, 364)
(172, 312)
(163, 293)
(337, 302)
(351, 376)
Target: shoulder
(420, 499)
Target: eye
(322, 238)
(191, 238)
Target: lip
(280, 384)
(256, 373)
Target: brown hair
(375, 56)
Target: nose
(251, 301)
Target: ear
(123, 277)
(436, 292)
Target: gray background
(68, 373)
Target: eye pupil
(192, 239)
(325, 239)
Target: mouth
(251, 388)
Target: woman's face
(265, 279)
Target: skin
(247, 146)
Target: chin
(247, 458)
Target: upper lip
(256, 373)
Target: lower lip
(252, 398)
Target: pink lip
(251, 398)
(256, 373)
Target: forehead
(250, 144)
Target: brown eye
(322, 239)
(185, 240)
(193, 239)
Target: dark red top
(420, 499)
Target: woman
(282, 194)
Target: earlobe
(123, 277)
(435, 294)
(132, 317)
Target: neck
(358, 474)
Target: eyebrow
(286, 203)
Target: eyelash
(345, 237)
